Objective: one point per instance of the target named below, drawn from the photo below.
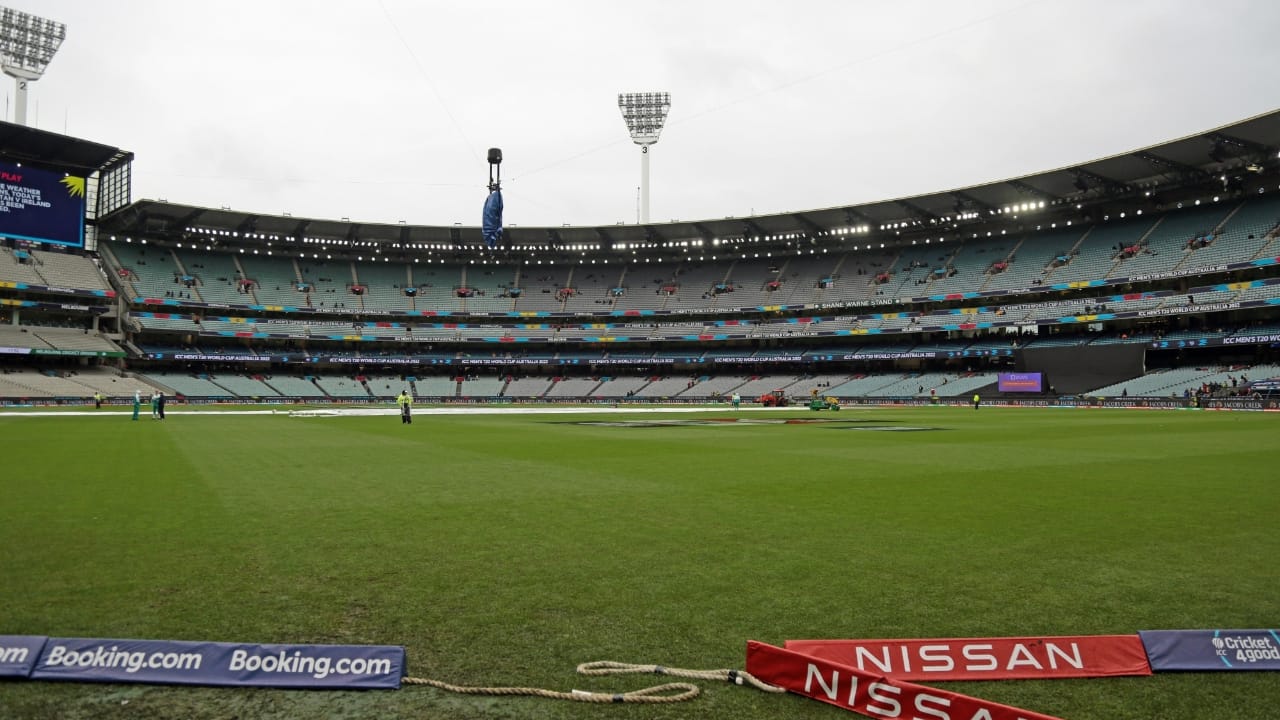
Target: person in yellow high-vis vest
(405, 401)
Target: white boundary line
(417, 411)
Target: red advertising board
(1008, 658)
(871, 694)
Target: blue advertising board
(170, 662)
(1173, 650)
(18, 654)
(41, 206)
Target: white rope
(666, 693)
(737, 677)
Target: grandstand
(568, 388)
(436, 386)
(16, 271)
(21, 337)
(291, 386)
(878, 300)
(620, 387)
(1245, 234)
(757, 385)
(477, 387)
(26, 383)
(154, 274)
(244, 386)
(1055, 258)
(386, 386)
(342, 387)
(43, 338)
(74, 340)
(971, 266)
(664, 387)
(437, 286)
(712, 386)
(1177, 382)
(189, 385)
(863, 386)
(1164, 246)
(527, 387)
(384, 287)
(79, 384)
(275, 280)
(491, 287)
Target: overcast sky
(382, 110)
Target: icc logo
(1220, 645)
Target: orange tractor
(777, 398)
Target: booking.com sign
(202, 663)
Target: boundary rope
(666, 693)
(737, 677)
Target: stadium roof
(1210, 160)
(21, 143)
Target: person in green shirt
(976, 401)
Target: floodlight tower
(645, 114)
(27, 44)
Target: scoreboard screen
(41, 205)
(1020, 382)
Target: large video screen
(41, 206)
(1032, 382)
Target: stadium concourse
(1152, 276)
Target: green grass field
(505, 550)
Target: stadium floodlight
(27, 44)
(645, 114)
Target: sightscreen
(41, 206)
(1072, 370)
(1032, 382)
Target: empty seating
(55, 269)
(528, 387)
(620, 387)
(11, 270)
(290, 386)
(188, 385)
(342, 387)
(217, 274)
(244, 386)
(569, 387)
(664, 387)
(71, 339)
(713, 387)
(1242, 237)
(276, 280)
(436, 386)
(148, 271)
(384, 286)
(1166, 245)
(478, 387)
(1098, 251)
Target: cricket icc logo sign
(1212, 649)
